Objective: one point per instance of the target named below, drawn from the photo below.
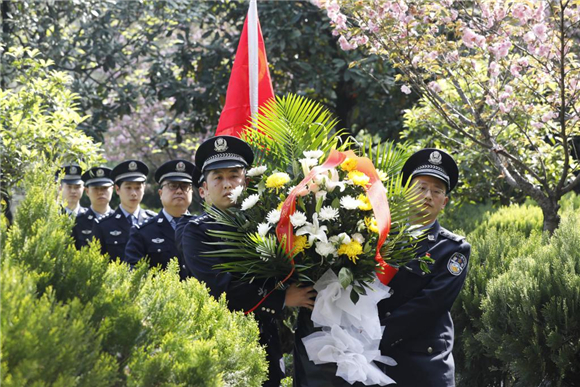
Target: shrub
(70, 318)
(531, 312)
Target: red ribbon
(375, 192)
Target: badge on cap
(220, 145)
(180, 167)
(456, 264)
(100, 173)
(435, 158)
(132, 166)
(73, 170)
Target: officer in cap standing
(71, 189)
(155, 238)
(419, 329)
(99, 189)
(113, 231)
(223, 161)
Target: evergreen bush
(69, 318)
(531, 312)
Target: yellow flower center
(371, 224)
(348, 164)
(358, 178)
(277, 180)
(351, 250)
(366, 203)
(300, 244)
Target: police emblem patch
(132, 166)
(456, 264)
(435, 158)
(73, 170)
(87, 232)
(220, 145)
(115, 233)
(180, 167)
(158, 240)
(100, 173)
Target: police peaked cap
(72, 174)
(175, 170)
(130, 170)
(223, 152)
(98, 177)
(432, 162)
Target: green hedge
(70, 318)
(515, 319)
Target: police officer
(113, 230)
(71, 189)
(223, 161)
(155, 238)
(99, 189)
(419, 330)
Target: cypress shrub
(70, 318)
(531, 312)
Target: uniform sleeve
(76, 234)
(420, 312)
(135, 248)
(241, 295)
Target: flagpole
(253, 58)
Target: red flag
(250, 85)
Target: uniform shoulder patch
(199, 219)
(456, 264)
(449, 235)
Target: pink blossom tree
(502, 76)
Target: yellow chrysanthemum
(352, 250)
(279, 208)
(358, 178)
(366, 203)
(277, 180)
(348, 164)
(300, 244)
(371, 224)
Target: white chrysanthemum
(273, 216)
(325, 249)
(308, 162)
(290, 189)
(250, 202)
(315, 154)
(359, 238)
(263, 229)
(235, 194)
(256, 171)
(298, 219)
(328, 213)
(349, 203)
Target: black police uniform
(155, 238)
(72, 176)
(82, 231)
(418, 326)
(192, 238)
(113, 231)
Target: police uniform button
(115, 242)
(158, 250)
(273, 311)
(430, 350)
(268, 310)
(263, 308)
(387, 314)
(392, 291)
(423, 273)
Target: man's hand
(300, 296)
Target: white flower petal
(256, 171)
(273, 216)
(328, 213)
(235, 193)
(263, 229)
(315, 154)
(250, 202)
(298, 219)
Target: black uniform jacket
(154, 238)
(418, 326)
(113, 232)
(192, 238)
(82, 231)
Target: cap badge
(132, 166)
(73, 170)
(435, 158)
(220, 145)
(180, 167)
(100, 173)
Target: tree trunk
(550, 207)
